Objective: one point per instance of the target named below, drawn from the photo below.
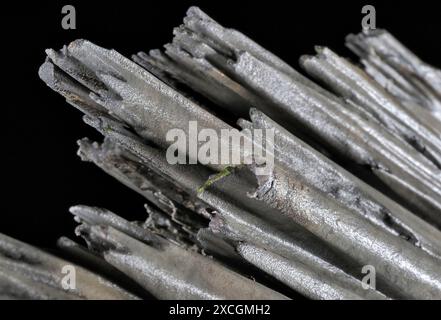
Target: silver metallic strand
(29, 273)
(302, 277)
(170, 272)
(410, 270)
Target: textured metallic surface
(29, 273)
(356, 176)
(162, 268)
(315, 284)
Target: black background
(41, 174)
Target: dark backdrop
(41, 174)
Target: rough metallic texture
(29, 273)
(356, 177)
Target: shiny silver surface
(356, 179)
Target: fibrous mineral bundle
(355, 181)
